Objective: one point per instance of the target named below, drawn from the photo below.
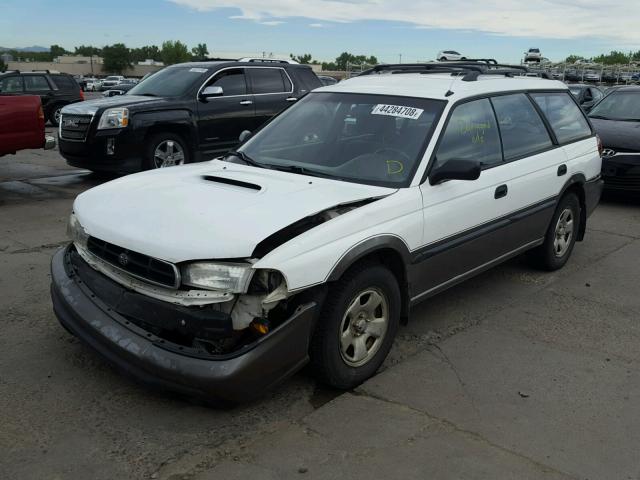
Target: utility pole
(400, 58)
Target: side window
(35, 83)
(64, 82)
(266, 80)
(597, 94)
(11, 84)
(233, 82)
(288, 87)
(471, 134)
(565, 117)
(522, 130)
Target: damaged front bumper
(235, 377)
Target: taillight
(81, 94)
(40, 113)
(600, 147)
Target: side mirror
(210, 92)
(245, 135)
(455, 170)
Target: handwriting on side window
(475, 129)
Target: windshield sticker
(198, 70)
(397, 111)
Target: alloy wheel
(564, 232)
(167, 154)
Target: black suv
(184, 113)
(55, 90)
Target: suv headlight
(76, 233)
(114, 118)
(228, 277)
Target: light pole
(400, 58)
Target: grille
(75, 127)
(136, 264)
(623, 182)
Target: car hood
(618, 135)
(212, 210)
(91, 107)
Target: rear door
(222, 119)
(39, 85)
(272, 92)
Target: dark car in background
(616, 119)
(55, 90)
(587, 95)
(184, 113)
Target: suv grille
(136, 264)
(75, 127)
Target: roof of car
(440, 85)
(210, 64)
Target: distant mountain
(35, 48)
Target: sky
(388, 29)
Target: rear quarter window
(308, 79)
(64, 83)
(522, 130)
(565, 117)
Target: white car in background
(111, 81)
(449, 55)
(533, 55)
(92, 84)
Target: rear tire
(165, 149)
(561, 235)
(54, 115)
(357, 327)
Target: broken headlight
(76, 233)
(227, 277)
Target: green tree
(116, 57)
(87, 50)
(3, 66)
(573, 58)
(148, 52)
(346, 60)
(305, 59)
(200, 52)
(174, 52)
(613, 57)
(56, 51)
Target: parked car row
(311, 241)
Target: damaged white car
(313, 240)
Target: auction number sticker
(397, 111)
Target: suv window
(63, 82)
(11, 84)
(565, 117)
(521, 128)
(232, 81)
(597, 94)
(35, 83)
(308, 79)
(267, 80)
(471, 134)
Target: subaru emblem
(123, 259)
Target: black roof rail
(443, 67)
(39, 71)
(11, 71)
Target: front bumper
(127, 157)
(235, 377)
(621, 172)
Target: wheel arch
(388, 250)
(576, 184)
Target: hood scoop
(232, 182)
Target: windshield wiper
(300, 170)
(148, 94)
(599, 117)
(245, 158)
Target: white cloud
(272, 23)
(317, 25)
(616, 20)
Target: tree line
(118, 57)
(342, 62)
(614, 57)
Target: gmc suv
(54, 89)
(181, 114)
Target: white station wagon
(312, 242)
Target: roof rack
(268, 60)
(471, 69)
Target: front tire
(357, 327)
(443, 59)
(165, 150)
(561, 235)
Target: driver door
(222, 119)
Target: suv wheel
(359, 322)
(165, 150)
(561, 235)
(54, 116)
(443, 59)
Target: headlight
(228, 277)
(76, 232)
(114, 118)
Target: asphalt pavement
(514, 374)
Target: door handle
(292, 99)
(246, 102)
(562, 170)
(501, 191)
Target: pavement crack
(361, 391)
(45, 246)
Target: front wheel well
(392, 260)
